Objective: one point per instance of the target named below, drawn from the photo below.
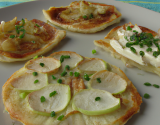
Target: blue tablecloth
(149, 4)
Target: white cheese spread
(120, 47)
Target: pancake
(22, 92)
(22, 40)
(146, 49)
(83, 16)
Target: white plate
(83, 44)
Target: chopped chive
(60, 117)
(22, 95)
(53, 77)
(91, 16)
(97, 98)
(147, 84)
(37, 25)
(33, 41)
(146, 95)
(22, 35)
(85, 17)
(12, 36)
(64, 57)
(43, 99)
(23, 22)
(98, 80)
(35, 57)
(133, 49)
(63, 73)
(76, 74)
(71, 73)
(52, 93)
(35, 73)
(86, 77)
(67, 67)
(156, 86)
(94, 51)
(52, 114)
(149, 49)
(135, 31)
(41, 64)
(142, 53)
(155, 53)
(129, 28)
(36, 81)
(59, 80)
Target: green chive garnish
(85, 17)
(37, 25)
(35, 57)
(36, 81)
(52, 93)
(86, 77)
(129, 28)
(53, 77)
(71, 73)
(146, 95)
(41, 64)
(43, 99)
(35, 73)
(91, 16)
(60, 117)
(149, 49)
(156, 86)
(141, 53)
(133, 49)
(147, 84)
(59, 80)
(33, 41)
(12, 36)
(64, 57)
(94, 51)
(98, 80)
(97, 98)
(63, 73)
(52, 114)
(76, 74)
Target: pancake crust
(83, 16)
(19, 109)
(39, 38)
(105, 44)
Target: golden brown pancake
(19, 108)
(22, 40)
(83, 16)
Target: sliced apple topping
(30, 81)
(95, 102)
(54, 97)
(67, 58)
(43, 64)
(109, 81)
(92, 65)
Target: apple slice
(109, 81)
(56, 101)
(92, 65)
(95, 102)
(43, 64)
(67, 58)
(29, 82)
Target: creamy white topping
(120, 47)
